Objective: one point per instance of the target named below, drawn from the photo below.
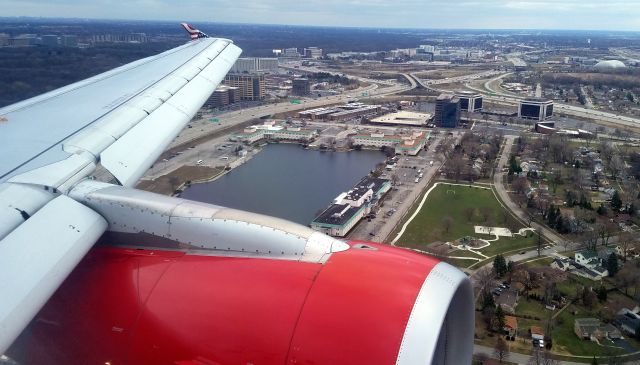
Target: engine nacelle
(308, 299)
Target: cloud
(495, 14)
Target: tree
(520, 185)
(485, 212)
(539, 242)
(602, 293)
(500, 265)
(487, 300)
(514, 167)
(447, 222)
(612, 264)
(616, 201)
(500, 350)
(469, 213)
(499, 319)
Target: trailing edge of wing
(130, 157)
(38, 256)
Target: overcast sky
(492, 14)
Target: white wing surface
(123, 120)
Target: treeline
(31, 71)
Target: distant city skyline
(465, 14)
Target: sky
(470, 14)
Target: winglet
(193, 32)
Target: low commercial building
(272, 131)
(349, 207)
(341, 112)
(409, 144)
(318, 113)
(535, 108)
(403, 118)
(357, 112)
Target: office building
(291, 53)
(250, 87)
(469, 101)
(447, 113)
(69, 40)
(50, 40)
(427, 48)
(254, 65)
(535, 108)
(301, 87)
(223, 95)
(313, 52)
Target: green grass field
(454, 201)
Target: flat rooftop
(337, 214)
(403, 117)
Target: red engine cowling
(370, 304)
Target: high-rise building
(223, 95)
(469, 101)
(313, 52)
(535, 108)
(50, 40)
(255, 64)
(4, 39)
(301, 87)
(250, 87)
(447, 113)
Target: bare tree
(627, 241)
(501, 350)
(539, 242)
(447, 222)
(520, 185)
(469, 213)
(485, 212)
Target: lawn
(565, 340)
(454, 202)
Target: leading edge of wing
(32, 132)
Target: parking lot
(399, 199)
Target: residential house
(628, 321)
(510, 326)
(592, 329)
(508, 300)
(536, 333)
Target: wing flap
(36, 258)
(130, 156)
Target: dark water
(287, 181)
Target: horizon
(531, 15)
(200, 23)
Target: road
(498, 182)
(516, 357)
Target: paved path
(498, 182)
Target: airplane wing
(122, 120)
